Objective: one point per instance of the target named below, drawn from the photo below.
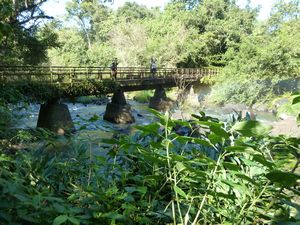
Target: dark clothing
(114, 68)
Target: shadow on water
(89, 123)
(88, 119)
(92, 129)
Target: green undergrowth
(89, 99)
(43, 92)
(216, 174)
(253, 92)
(141, 96)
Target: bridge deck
(125, 76)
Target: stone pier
(55, 117)
(160, 101)
(118, 111)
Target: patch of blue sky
(56, 8)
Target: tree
(19, 27)
(89, 16)
(133, 11)
(81, 10)
(72, 49)
(129, 41)
(267, 62)
(188, 4)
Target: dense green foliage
(260, 58)
(141, 96)
(267, 63)
(215, 175)
(22, 40)
(37, 92)
(179, 35)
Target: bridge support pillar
(55, 117)
(160, 101)
(118, 111)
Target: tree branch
(35, 18)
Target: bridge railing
(57, 74)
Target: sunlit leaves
(179, 191)
(296, 100)
(251, 128)
(284, 179)
(154, 176)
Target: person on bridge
(114, 68)
(153, 66)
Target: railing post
(99, 73)
(28, 75)
(70, 75)
(51, 75)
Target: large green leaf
(284, 179)
(238, 187)
(296, 100)
(113, 215)
(60, 219)
(242, 149)
(154, 158)
(231, 166)
(251, 128)
(180, 166)
(151, 128)
(184, 139)
(179, 191)
(219, 131)
(73, 220)
(214, 138)
(245, 177)
(260, 159)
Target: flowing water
(88, 117)
(91, 129)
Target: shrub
(232, 175)
(143, 96)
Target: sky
(56, 8)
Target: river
(88, 120)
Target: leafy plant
(296, 100)
(216, 174)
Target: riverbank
(287, 126)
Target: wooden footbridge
(56, 116)
(129, 78)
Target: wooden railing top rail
(107, 67)
(73, 74)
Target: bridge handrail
(107, 67)
(73, 74)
